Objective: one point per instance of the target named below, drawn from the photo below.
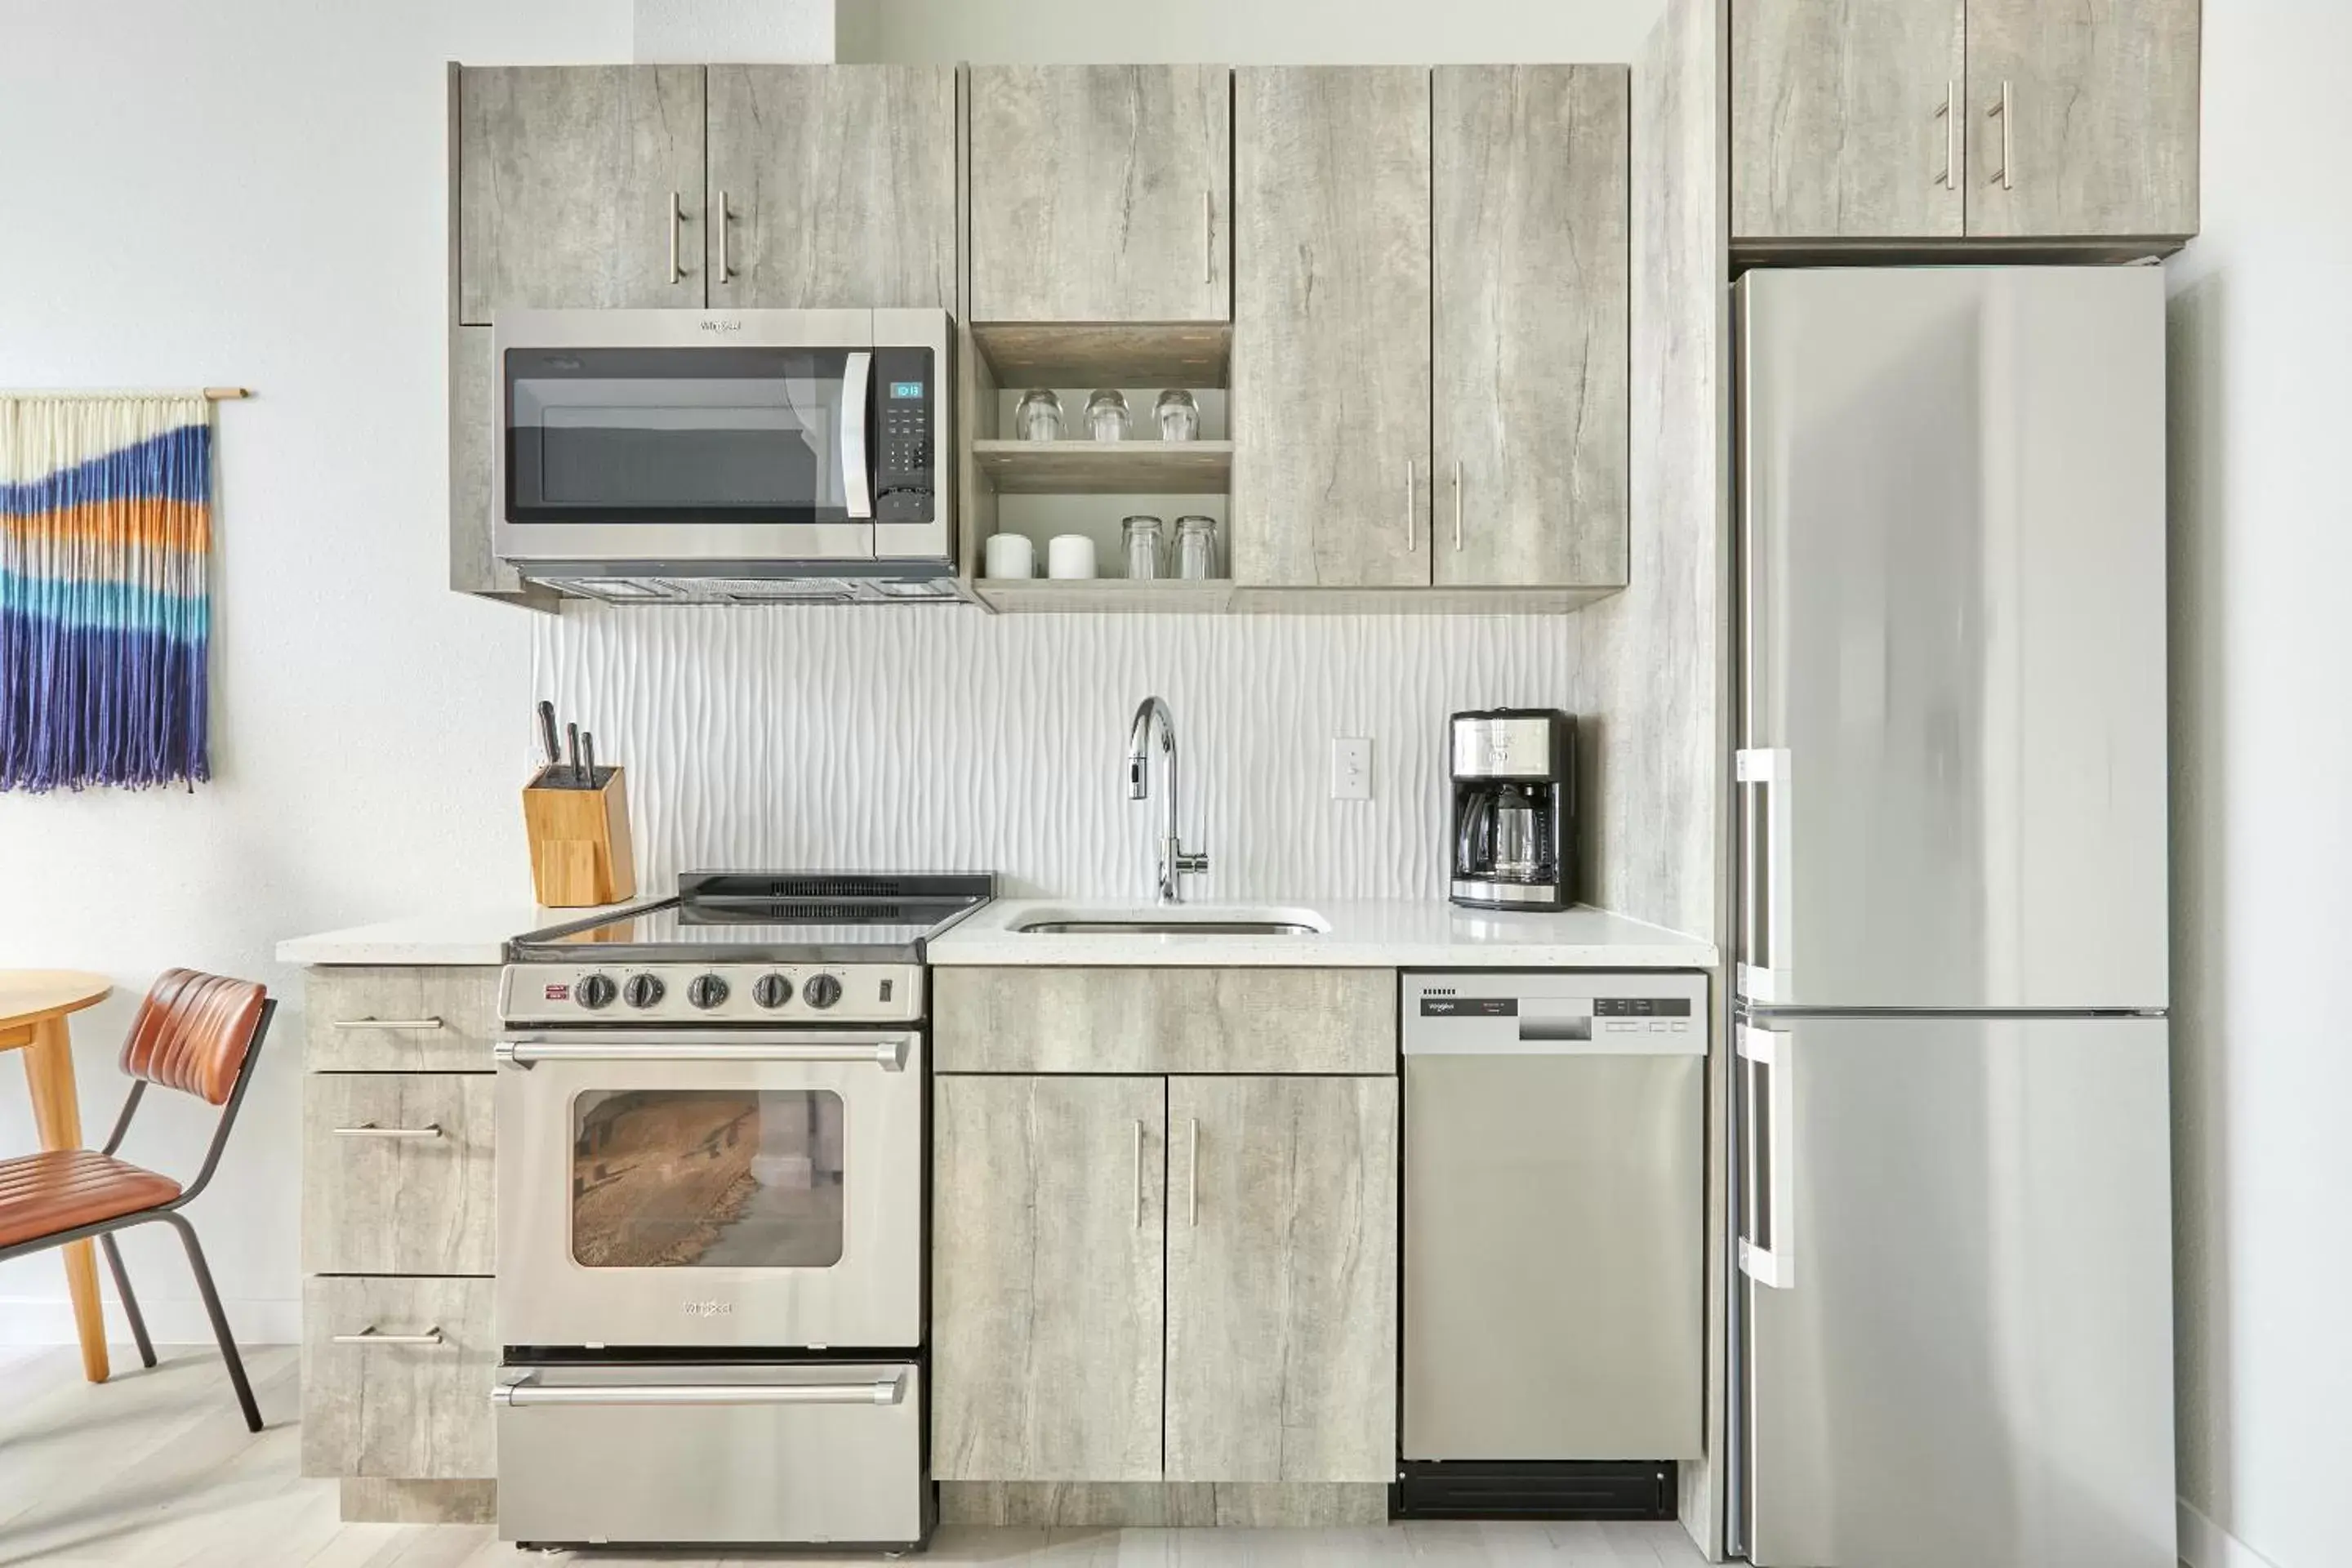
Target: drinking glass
(1180, 417)
(1145, 557)
(1106, 416)
(1196, 548)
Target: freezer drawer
(801, 1454)
(1554, 1236)
(1959, 1301)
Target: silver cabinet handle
(1139, 1175)
(677, 221)
(879, 1391)
(725, 218)
(370, 1130)
(1208, 237)
(368, 1336)
(1408, 493)
(2006, 175)
(386, 1024)
(1193, 1172)
(1457, 503)
(1767, 1250)
(1950, 115)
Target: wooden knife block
(580, 851)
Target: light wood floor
(155, 1469)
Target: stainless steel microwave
(725, 456)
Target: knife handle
(547, 733)
(588, 757)
(571, 735)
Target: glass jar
(1039, 417)
(1146, 554)
(1196, 548)
(1180, 417)
(1106, 416)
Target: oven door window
(707, 1178)
(678, 435)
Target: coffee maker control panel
(1505, 748)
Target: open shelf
(1095, 596)
(1106, 354)
(1106, 467)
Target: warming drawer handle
(879, 1391)
(886, 1051)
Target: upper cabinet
(1102, 192)
(1331, 324)
(1532, 335)
(830, 186)
(579, 185)
(1930, 121)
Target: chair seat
(41, 1194)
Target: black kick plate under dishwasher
(1512, 1489)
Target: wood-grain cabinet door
(2083, 117)
(1047, 1309)
(1330, 381)
(1282, 1279)
(568, 179)
(1840, 123)
(1532, 333)
(1102, 192)
(397, 1174)
(831, 186)
(396, 1376)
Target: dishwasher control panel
(1479, 1012)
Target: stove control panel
(769, 994)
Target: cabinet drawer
(1113, 1020)
(397, 1377)
(402, 1020)
(396, 1174)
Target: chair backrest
(193, 1032)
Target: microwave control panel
(905, 394)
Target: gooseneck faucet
(1175, 861)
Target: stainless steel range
(710, 1130)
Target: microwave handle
(856, 388)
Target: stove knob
(822, 990)
(597, 991)
(771, 991)
(643, 990)
(706, 991)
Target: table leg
(49, 1068)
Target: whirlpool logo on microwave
(711, 1308)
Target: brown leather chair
(197, 1033)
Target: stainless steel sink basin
(1166, 928)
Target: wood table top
(28, 996)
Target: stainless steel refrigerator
(1955, 1337)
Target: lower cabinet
(1148, 1279)
(396, 1376)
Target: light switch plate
(1351, 768)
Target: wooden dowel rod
(227, 394)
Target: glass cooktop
(780, 917)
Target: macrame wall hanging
(105, 532)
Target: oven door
(758, 1189)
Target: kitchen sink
(1174, 922)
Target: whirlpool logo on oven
(709, 1309)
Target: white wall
(705, 31)
(2260, 319)
(252, 190)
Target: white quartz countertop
(1360, 934)
(447, 936)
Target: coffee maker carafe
(1514, 808)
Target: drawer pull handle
(370, 1130)
(880, 1391)
(368, 1336)
(387, 1023)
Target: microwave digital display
(905, 389)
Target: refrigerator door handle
(1768, 1136)
(1762, 776)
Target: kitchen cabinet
(396, 1174)
(1946, 119)
(399, 1018)
(1282, 1279)
(1102, 192)
(1046, 1278)
(830, 186)
(2096, 132)
(397, 1377)
(1132, 1018)
(1330, 381)
(1532, 330)
(579, 186)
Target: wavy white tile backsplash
(948, 738)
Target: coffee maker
(1514, 772)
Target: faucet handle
(1191, 863)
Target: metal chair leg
(129, 1302)
(220, 1322)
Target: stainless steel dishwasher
(1554, 1241)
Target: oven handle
(886, 1051)
(876, 1391)
(856, 387)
